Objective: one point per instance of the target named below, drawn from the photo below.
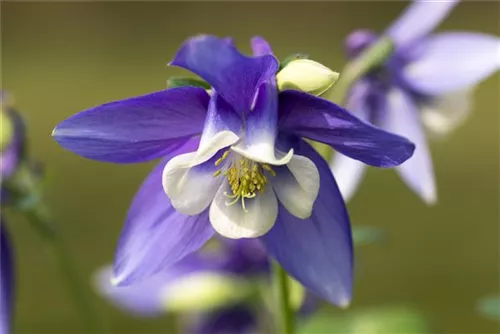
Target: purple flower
(427, 82)
(238, 260)
(10, 157)
(184, 289)
(234, 161)
(238, 319)
(12, 153)
(6, 280)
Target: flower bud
(358, 41)
(6, 129)
(306, 75)
(203, 292)
(6, 124)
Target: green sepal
(174, 82)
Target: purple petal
(6, 281)
(244, 256)
(363, 102)
(145, 298)
(220, 117)
(419, 19)
(230, 41)
(234, 76)
(155, 235)
(357, 41)
(402, 117)
(453, 61)
(237, 319)
(136, 129)
(317, 251)
(261, 129)
(260, 46)
(141, 299)
(262, 122)
(320, 120)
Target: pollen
(246, 178)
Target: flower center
(246, 178)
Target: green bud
(6, 129)
(306, 75)
(292, 57)
(297, 293)
(203, 292)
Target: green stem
(284, 316)
(373, 57)
(25, 186)
(370, 59)
(42, 222)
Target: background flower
(427, 81)
(10, 159)
(6, 281)
(191, 288)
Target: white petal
(446, 113)
(264, 153)
(231, 221)
(348, 173)
(211, 146)
(297, 186)
(188, 179)
(191, 189)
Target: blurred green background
(60, 58)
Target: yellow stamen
(269, 169)
(246, 178)
(221, 159)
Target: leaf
(364, 235)
(381, 320)
(174, 82)
(490, 307)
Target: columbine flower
(234, 162)
(6, 280)
(10, 157)
(192, 288)
(426, 82)
(13, 137)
